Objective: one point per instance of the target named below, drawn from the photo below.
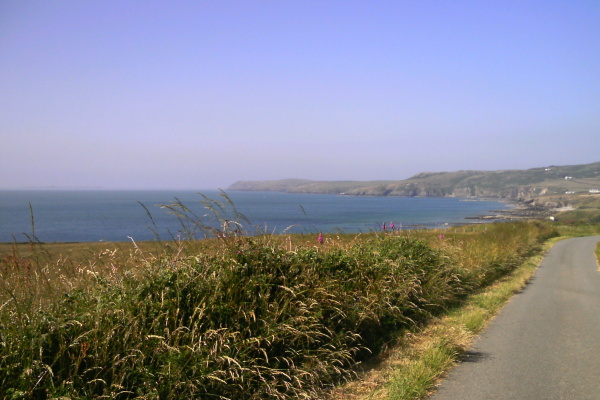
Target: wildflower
(392, 226)
(384, 228)
(441, 235)
(320, 239)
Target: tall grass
(429, 353)
(253, 317)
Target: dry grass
(237, 317)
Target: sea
(122, 215)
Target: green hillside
(521, 185)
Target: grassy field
(279, 317)
(586, 210)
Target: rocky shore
(521, 211)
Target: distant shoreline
(521, 211)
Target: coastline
(520, 211)
(109, 216)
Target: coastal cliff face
(424, 190)
(515, 185)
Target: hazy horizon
(195, 95)
(203, 188)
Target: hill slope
(519, 185)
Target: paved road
(545, 344)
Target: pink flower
(320, 239)
(392, 226)
(441, 235)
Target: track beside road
(545, 344)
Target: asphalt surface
(545, 343)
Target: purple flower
(320, 238)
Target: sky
(199, 94)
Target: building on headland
(594, 191)
(568, 177)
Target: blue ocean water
(98, 215)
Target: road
(545, 343)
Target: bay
(103, 215)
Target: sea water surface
(103, 215)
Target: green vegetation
(422, 356)
(522, 185)
(445, 340)
(234, 317)
(586, 211)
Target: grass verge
(254, 317)
(421, 358)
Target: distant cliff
(518, 185)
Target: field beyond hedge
(280, 317)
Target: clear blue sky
(199, 94)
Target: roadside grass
(239, 317)
(453, 333)
(423, 356)
(577, 230)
